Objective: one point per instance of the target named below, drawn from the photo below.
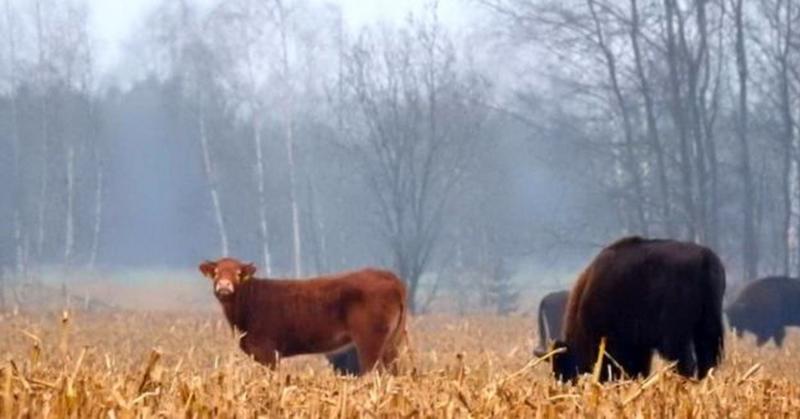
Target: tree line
(276, 131)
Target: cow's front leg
(263, 352)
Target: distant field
(145, 364)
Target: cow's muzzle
(223, 288)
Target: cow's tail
(399, 338)
(401, 332)
(710, 337)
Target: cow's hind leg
(389, 357)
(370, 336)
(370, 348)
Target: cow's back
(297, 313)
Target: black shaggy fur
(644, 296)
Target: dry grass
(143, 364)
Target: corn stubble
(172, 364)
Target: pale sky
(113, 21)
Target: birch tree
(178, 29)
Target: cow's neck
(236, 308)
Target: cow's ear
(248, 270)
(208, 268)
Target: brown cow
(550, 319)
(365, 309)
(644, 296)
(765, 307)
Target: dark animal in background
(345, 363)
(643, 296)
(365, 310)
(550, 319)
(765, 307)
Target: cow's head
(227, 275)
(565, 366)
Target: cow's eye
(238, 273)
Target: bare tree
(417, 122)
(179, 30)
(653, 135)
(749, 239)
(15, 139)
(288, 115)
(780, 17)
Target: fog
(484, 150)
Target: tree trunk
(42, 202)
(212, 184)
(98, 189)
(749, 245)
(98, 214)
(787, 141)
(652, 125)
(69, 230)
(263, 226)
(317, 230)
(632, 166)
(679, 117)
(15, 143)
(708, 115)
(693, 93)
(297, 256)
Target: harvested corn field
(145, 364)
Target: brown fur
(364, 309)
(644, 296)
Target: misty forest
(485, 162)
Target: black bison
(346, 362)
(550, 319)
(643, 296)
(765, 307)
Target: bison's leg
(778, 335)
(345, 363)
(686, 362)
(640, 362)
(762, 338)
(739, 332)
(708, 344)
(680, 350)
(625, 360)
